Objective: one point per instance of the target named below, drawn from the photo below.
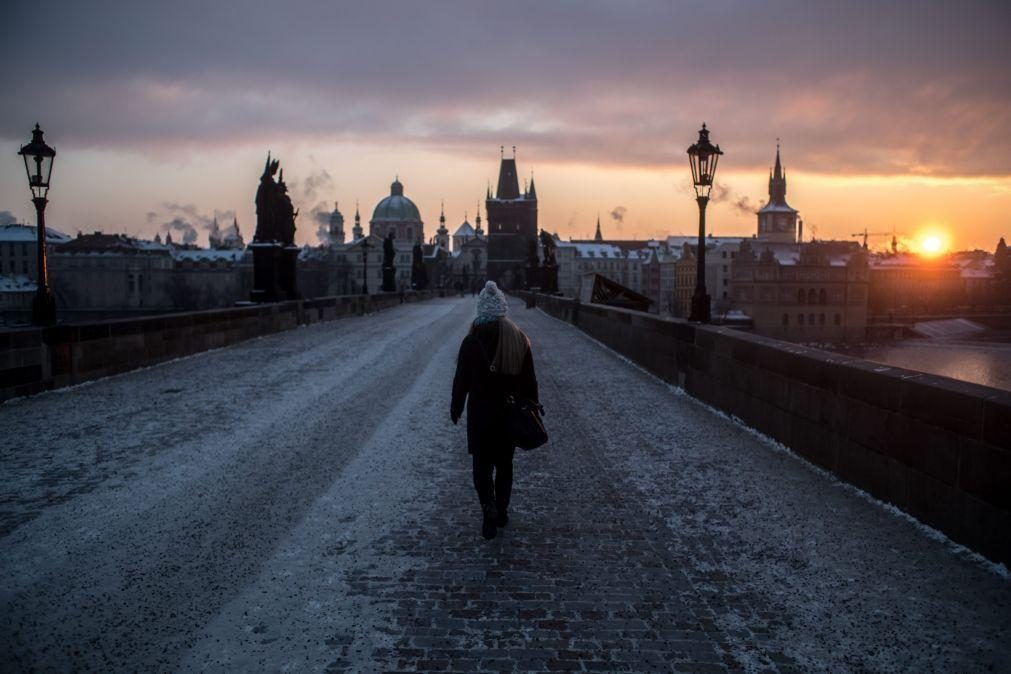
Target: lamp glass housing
(38, 158)
(703, 157)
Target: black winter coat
(484, 391)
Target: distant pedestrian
(495, 361)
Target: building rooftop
(16, 233)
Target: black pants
(499, 460)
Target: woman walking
(495, 361)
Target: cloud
(618, 215)
(904, 88)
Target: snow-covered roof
(680, 240)
(594, 250)
(465, 230)
(17, 284)
(208, 255)
(26, 234)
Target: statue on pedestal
(549, 271)
(389, 268)
(275, 256)
(419, 277)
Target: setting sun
(932, 245)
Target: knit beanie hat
(491, 304)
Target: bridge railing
(937, 448)
(37, 359)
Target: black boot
(501, 515)
(490, 518)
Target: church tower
(336, 226)
(777, 221)
(477, 222)
(512, 226)
(356, 231)
(442, 234)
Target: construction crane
(865, 234)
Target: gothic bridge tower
(512, 226)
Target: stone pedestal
(389, 280)
(266, 271)
(288, 277)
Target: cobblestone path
(242, 526)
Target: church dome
(396, 207)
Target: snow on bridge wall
(937, 448)
(37, 359)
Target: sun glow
(932, 243)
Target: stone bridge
(301, 502)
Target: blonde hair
(512, 347)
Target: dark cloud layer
(913, 87)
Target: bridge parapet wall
(37, 359)
(937, 448)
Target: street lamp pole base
(700, 308)
(44, 307)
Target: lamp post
(38, 159)
(703, 157)
(365, 265)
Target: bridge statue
(549, 270)
(389, 269)
(275, 255)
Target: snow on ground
(300, 502)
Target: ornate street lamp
(39, 166)
(703, 157)
(365, 265)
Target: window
(786, 319)
(810, 319)
(812, 298)
(821, 319)
(725, 281)
(410, 233)
(838, 319)
(131, 283)
(800, 296)
(724, 257)
(724, 294)
(800, 319)
(822, 296)
(724, 269)
(24, 266)
(24, 249)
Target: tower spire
(777, 181)
(598, 236)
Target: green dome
(396, 207)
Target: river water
(980, 362)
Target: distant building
(578, 259)
(19, 249)
(512, 227)
(908, 284)
(813, 292)
(806, 292)
(397, 214)
(229, 239)
(110, 273)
